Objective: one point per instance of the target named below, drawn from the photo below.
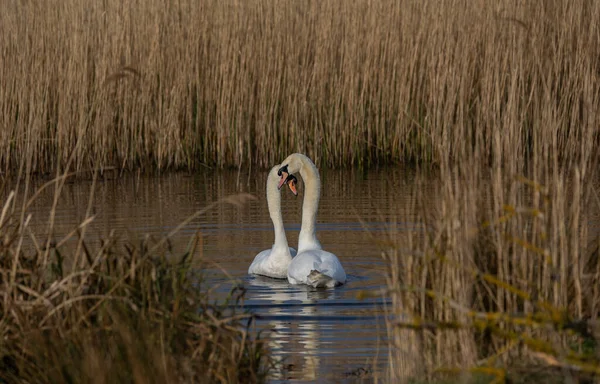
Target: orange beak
(282, 179)
(292, 186)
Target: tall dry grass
(503, 280)
(120, 312)
(149, 84)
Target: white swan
(312, 265)
(274, 262)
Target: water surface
(322, 334)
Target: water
(324, 334)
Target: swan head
(287, 178)
(294, 163)
(291, 165)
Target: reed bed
(183, 84)
(125, 311)
(502, 282)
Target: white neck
(310, 175)
(274, 204)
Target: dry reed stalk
(226, 83)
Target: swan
(274, 262)
(312, 265)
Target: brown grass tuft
(128, 311)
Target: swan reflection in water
(291, 313)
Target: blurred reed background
(178, 84)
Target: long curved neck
(274, 204)
(308, 236)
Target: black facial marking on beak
(282, 169)
(291, 179)
(283, 175)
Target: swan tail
(320, 280)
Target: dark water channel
(326, 335)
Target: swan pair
(311, 265)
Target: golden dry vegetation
(232, 83)
(500, 98)
(503, 281)
(120, 312)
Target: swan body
(274, 262)
(317, 268)
(312, 265)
